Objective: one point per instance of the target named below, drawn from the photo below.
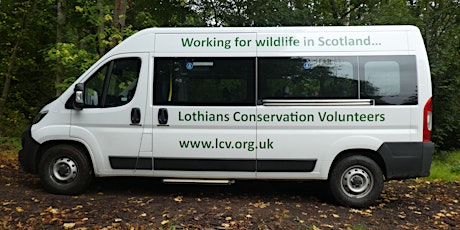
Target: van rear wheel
(356, 181)
(65, 169)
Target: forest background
(47, 44)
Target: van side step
(197, 181)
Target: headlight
(39, 117)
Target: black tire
(65, 169)
(356, 181)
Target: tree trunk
(100, 28)
(9, 75)
(60, 29)
(119, 14)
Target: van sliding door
(204, 117)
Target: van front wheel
(65, 169)
(356, 181)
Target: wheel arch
(373, 155)
(49, 144)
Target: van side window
(390, 80)
(204, 81)
(114, 84)
(308, 78)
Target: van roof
(247, 41)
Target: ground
(146, 203)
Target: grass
(446, 166)
(9, 146)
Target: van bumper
(27, 156)
(407, 160)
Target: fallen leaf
(52, 210)
(364, 213)
(69, 225)
(178, 199)
(327, 226)
(164, 222)
(260, 204)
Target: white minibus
(347, 105)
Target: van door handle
(163, 116)
(135, 116)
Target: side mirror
(79, 93)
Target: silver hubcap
(64, 169)
(357, 181)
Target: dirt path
(127, 203)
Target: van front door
(204, 117)
(111, 120)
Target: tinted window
(308, 78)
(204, 81)
(114, 84)
(390, 80)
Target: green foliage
(446, 167)
(165, 13)
(43, 65)
(10, 143)
(9, 146)
(359, 227)
(13, 124)
(439, 23)
(75, 61)
(145, 20)
(21, 34)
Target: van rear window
(389, 80)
